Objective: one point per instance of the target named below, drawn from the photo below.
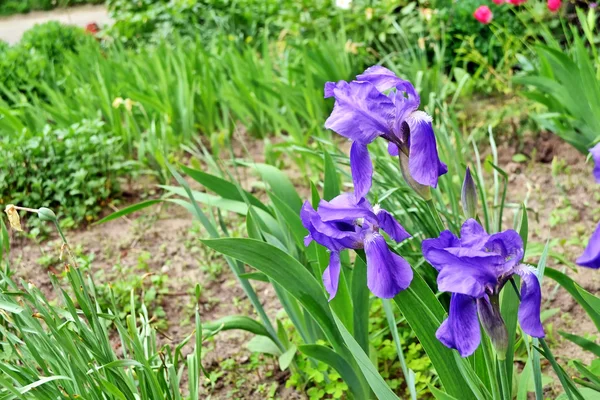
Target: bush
(75, 169)
(24, 67)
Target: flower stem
(506, 390)
(435, 214)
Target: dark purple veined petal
(327, 234)
(596, 156)
(473, 235)
(591, 255)
(424, 163)
(361, 168)
(460, 330)
(531, 300)
(387, 272)
(331, 275)
(382, 78)
(388, 223)
(509, 245)
(361, 112)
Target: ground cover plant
(370, 219)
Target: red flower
(92, 28)
(516, 2)
(554, 5)
(499, 1)
(483, 14)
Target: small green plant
(116, 288)
(68, 350)
(74, 169)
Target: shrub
(26, 65)
(75, 169)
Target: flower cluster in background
(484, 14)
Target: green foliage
(123, 281)
(9, 7)
(74, 169)
(67, 349)
(25, 66)
(566, 82)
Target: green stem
(506, 390)
(64, 239)
(435, 214)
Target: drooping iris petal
(388, 223)
(331, 275)
(424, 163)
(461, 330)
(382, 78)
(531, 299)
(509, 245)
(361, 112)
(596, 156)
(591, 255)
(361, 168)
(393, 149)
(387, 272)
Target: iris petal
(591, 255)
(424, 163)
(388, 223)
(596, 156)
(382, 78)
(531, 299)
(361, 112)
(387, 272)
(331, 275)
(460, 330)
(361, 168)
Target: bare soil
(564, 207)
(555, 183)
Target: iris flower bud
(469, 196)
(491, 319)
(46, 214)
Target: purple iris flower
(474, 269)
(591, 255)
(347, 223)
(362, 112)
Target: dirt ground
(13, 27)
(561, 196)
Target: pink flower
(516, 2)
(499, 1)
(483, 14)
(554, 5)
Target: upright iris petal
(379, 104)
(476, 267)
(346, 222)
(591, 255)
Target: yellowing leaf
(13, 217)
